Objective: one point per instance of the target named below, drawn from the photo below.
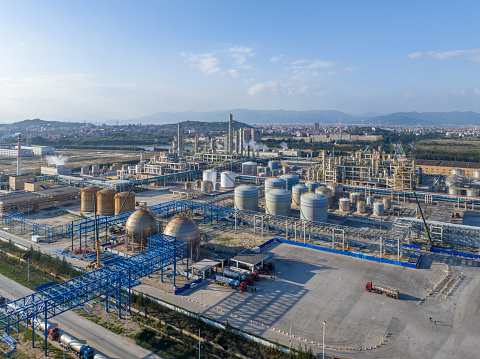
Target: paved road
(99, 338)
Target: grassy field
(467, 150)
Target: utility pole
(28, 270)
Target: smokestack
(180, 139)
(230, 135)
(19, 156)
(196, 142)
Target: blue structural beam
(163, 251)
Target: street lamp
(28, 258)
(323, 344)
(290, 344)
(198, 330)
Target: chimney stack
(19, 155)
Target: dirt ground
(76, 158)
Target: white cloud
(471, 54)
(345, 71)
(275, 58)
(240, 54)
(263, 87)
(233, 73)
(476, 91)
(320, 63)
(415, 55)
(206, 63)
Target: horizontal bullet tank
(297, 191)
(271, 183)
(290, 180)
(278, 202)
(314, 207)
(246, 198)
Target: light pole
(28, 271)
(198, 330)
(323, 344)
(290, 344)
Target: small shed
(205, 268)
(249, 259)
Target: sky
(119, 60)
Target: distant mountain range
(321, 116)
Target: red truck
(392, 293)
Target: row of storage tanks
(108, 201)
(210, 181)
(455, 183)
(273, 168)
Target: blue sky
(95, 60)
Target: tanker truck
(230, 282)
(393, 293)
(52, 330)
(234, 275)
(254, 275)
(81, 350)
(99, 356)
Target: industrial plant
(298, 240)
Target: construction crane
(424, 223)
(96, 264)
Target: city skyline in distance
(109, 61)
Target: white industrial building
(40, 150)
(11, 152)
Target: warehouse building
(436, 167)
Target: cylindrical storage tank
(261, 169)
(184, 229)
(378, 209)
(129, 200)
(458, 172)
(210, 175)
(344, 204)
(355, 197)
(337, 190)
(290, 181)
(84, 170)
(297, 191)
(361, 207)
(370, 200)
(454, 191)
(387, 202)
(278, 202)
(125, 167)
(275, 172)
(227, 179)
(286, 169)
(312, 186)
(271, 183)
(198, 184)
(106, 202)
(249, 168)
(188, 185)
(206, 186)
(449, 182)
(274, 165)
(476, 174)
(326, 192)
(472, 192)
(216, 186)
(314, 207)
(246, 198)
(87, 203)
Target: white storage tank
(216, 186)
(455, 191)
(355, 197)
(271, 183)
(227, 179)
(278, 202)
(246, 198)
(387, 202)
(378, 209)
(472, 192)
(286, 169)
(275, 165)
(249, 168)
(210, 175)
(297, 191)
(206, 186)
(326, 192)
(361, 207)
(344, 204)
(314, 207)
(370, 200)
(458, 172)
(261, 170)
(290, 181)
(312, 186)
(476, 174)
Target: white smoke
(56, 160)
(284, 146)
(10, 135)
(257, 146)
(219, 146)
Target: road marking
(319, 314)
(300, 322)
(366, 340)
(343, 334)
(353, 340)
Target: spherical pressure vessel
(184, 229)
(278, 202)
(88, 199)
(246, 198)
(344, 204)
(472, 192)
(361, 207)
(106, 202)
(312, 186)
(314, 207)
(326, 192)
(210, 175)
(290, 181)
(297, 191)
(140, 225)
(275, 165)
(249, 168)
(274, 183)
(387, 202)
(378, 209)
(337, 190)
(227, 179)
(129, 200)
(354, 197)
(206, 186)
